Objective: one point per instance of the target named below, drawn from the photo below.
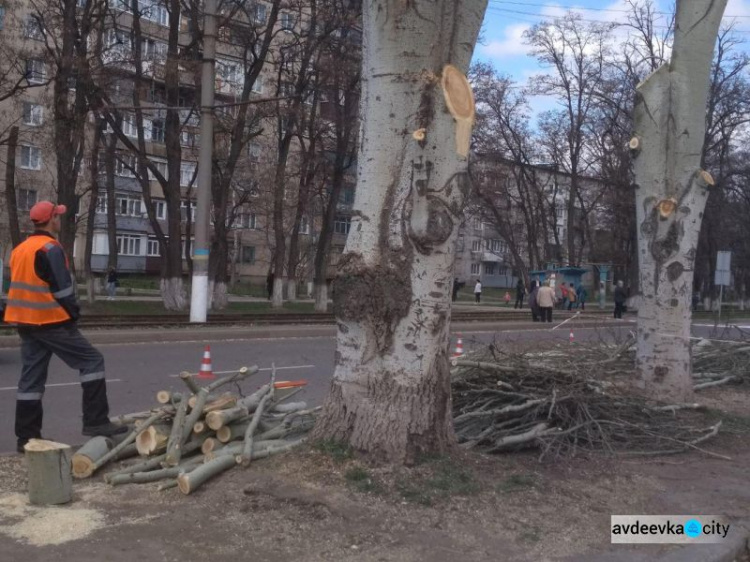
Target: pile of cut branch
(720, 362)
(561, 402)
(194, 436)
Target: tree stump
(86, 457)
(50, 479)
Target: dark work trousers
(619, 307)
(519, 301)
(546, 313)
(37, 347)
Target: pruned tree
(390, 393)
(671, 191)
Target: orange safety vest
(30, 299)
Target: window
(230, 72)
(128, 245)
(152, 10)
(157, 130)
(161, 166)
(187, 174)
(475, 269)
(258, 86)
(101, 205)
(33, 29)
(153, 50)
(253, 152)
(248, 254)
(478, 224)
(189, 139)
(125, 166)
(119, 43)
(183, 210)
(489, 269)
(36, 73)
(248, 220)
(31, 157)
(153, 248)
(287, 21)
(259, 13)
(476, 245)
(460, 243)
(286, 89)
(129, 127)
(341, 225)
(128, 206)
(26, 199)
(497, 246)
(304, 226)
(160, 209)
(347, 196)
(32, 114)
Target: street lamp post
(199, 290)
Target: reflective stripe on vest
(30, 299)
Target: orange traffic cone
(206, 371)
(572, 338)
(459, 348)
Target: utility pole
(199, 290)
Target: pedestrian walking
(520, 293)
(506, 298)
(112, 283)
(572, 297)
(563, 296)
(583, 294)
(43, 306)
(533, 304)
(478, 291)
(545, 298)
(620, 298)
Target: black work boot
(107, 429)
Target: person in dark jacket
(269, 284)
(533, 305)
(456, 287)
(43, 305)
(620, 298)
(111, 283)
(520, 293)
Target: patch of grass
(443, 478)
(337, 450)
(128, 307)
(531, 535)
(516, 483)
(361, 480)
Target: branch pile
(560, 402)
(194, 436)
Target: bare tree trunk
(109, 165)
(671, 196)
(390, 393)
(10, 188)
(91, 216)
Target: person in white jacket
(478, 291)
(545, 299)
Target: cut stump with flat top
(50, 478)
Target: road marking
(57, 384)
(263, 369)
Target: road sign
(723, 266)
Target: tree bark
(390, 393)
(671, 192)
(10, 188)
(91, 216)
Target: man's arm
(51, 266)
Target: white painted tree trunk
(173, 293)
(321, 297)
(291, 289)
(277, 300)
(390, 393)
(671, 192)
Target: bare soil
(322, 503)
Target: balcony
(491, 257)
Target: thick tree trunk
(390, 393)
(321, 296)
(91, 217)
(50, 479)
(10, 188)
(671, 192)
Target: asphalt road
(141, 363)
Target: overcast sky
(506, 20)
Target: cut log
(289, 407)
(246, 456)
(217, 420)
(155, 462)
(50, 480)
(154, 475)
(210, 444)
(189, 381)
(221, 403)
(190, 481)
(168, 397)
(174, 445)
(153, 439)
(231, 432)
(86, 457)
(199, 427)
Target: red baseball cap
(43, 211)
